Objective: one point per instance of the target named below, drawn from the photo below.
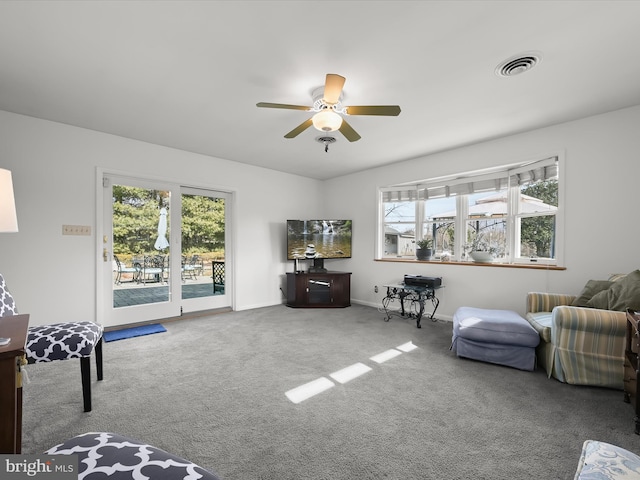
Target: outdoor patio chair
(120, 269)
(218, 276)
(191, 268)
(60, 341)
(152, 269)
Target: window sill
(471, 264)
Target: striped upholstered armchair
(582, 337)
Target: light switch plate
(76, 229)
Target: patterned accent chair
(60, 341)
(104, 454)
(584, 345)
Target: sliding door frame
(102, 237)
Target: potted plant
(481, 250)
(423, 249)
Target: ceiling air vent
(518, 64)
(326, 141)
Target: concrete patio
(132, 293)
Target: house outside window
(512, 211)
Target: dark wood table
(631, 365)
(11, 355)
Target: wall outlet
(375, 289)
(76, 229)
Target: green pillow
(590, 289)
(614, 277)
(622, 294)
(600, 300)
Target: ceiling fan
(329, 110)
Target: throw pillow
(623, 294)
(590, 289)
(600, 300)
(614, 277)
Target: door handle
(105, 255)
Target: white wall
(54, 168)
(54, 174)
(602, 171)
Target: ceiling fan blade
(387, 110)
(282, 105)
(348, 131)
(299, 129)
(333, 88)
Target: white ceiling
(189, 74)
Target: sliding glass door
(205, 269)
(163, 250)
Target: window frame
(419, 193)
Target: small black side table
(414, 294)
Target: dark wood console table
(11, 355)
(319, 290)
(631, 365)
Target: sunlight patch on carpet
(308, 390)
(407, 347)
(350, 372)
(384, 356)
(344, 375)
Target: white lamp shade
(8, 218)
(327, 121)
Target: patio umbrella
(161, 242)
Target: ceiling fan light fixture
(327, 121)
(327, 105)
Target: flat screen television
(318, 239)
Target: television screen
(318, 239)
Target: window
(511, 212)
(439, 225)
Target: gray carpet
(212, 390)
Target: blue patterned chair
(60, 341)
(108, 455)
(604, 461)
(583, 336)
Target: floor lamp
(8, 218)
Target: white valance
(498, 180)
